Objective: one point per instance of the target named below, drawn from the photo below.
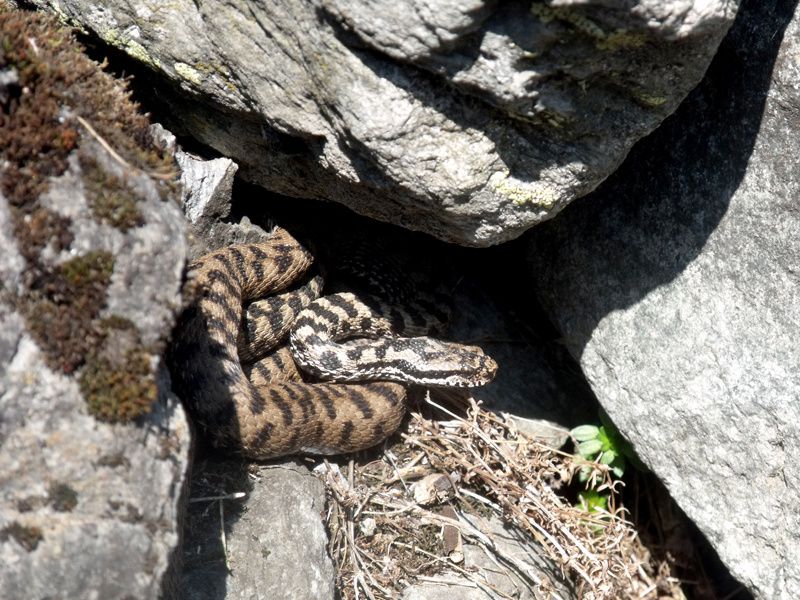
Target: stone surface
(93, 445)
(276, 545)
(104, 499)
(537, 380)
(206, 186)
(676, 284)
(470, 121)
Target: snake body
(264, 409)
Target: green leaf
(584, 433)
(608, 457)
(618, 466)
(590, 448)
(592, 501)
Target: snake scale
(264, 408)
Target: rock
(676, 284)
(469, 121)
(207, 186)
(93, 445)
(276, 543)
(537, 380)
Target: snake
(338, 384)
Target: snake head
(455, 365)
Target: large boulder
(676, 284)
(93, 444)
(471, 121)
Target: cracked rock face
(471, 121)
(676, 285)
(93, 444)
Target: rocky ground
(665, 295)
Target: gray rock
(276, 545)
(537, 380)
(207, 186)
(469, 121)
(90, 509)
(206, 196)
(677, 286)
(93, 444)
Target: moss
(25, 535)
(119, 392)
(41, 228)
(117, 322)
(118, 381)
(110, 198)
(43, 119)
(37, 135)
(62, 304)
(62, 497)
(92, 269)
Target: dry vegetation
(407, 517)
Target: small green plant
(593, 501)
(601, 444)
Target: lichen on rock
(90, 278)
(48, 103)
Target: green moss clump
(62, 305)
(62, 497)
(119, 392)
(25, 535)
(110, 198)
(89, 270)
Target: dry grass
(404, 518)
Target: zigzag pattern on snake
(264, 409)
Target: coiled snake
(264, 409)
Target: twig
(116, 156)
